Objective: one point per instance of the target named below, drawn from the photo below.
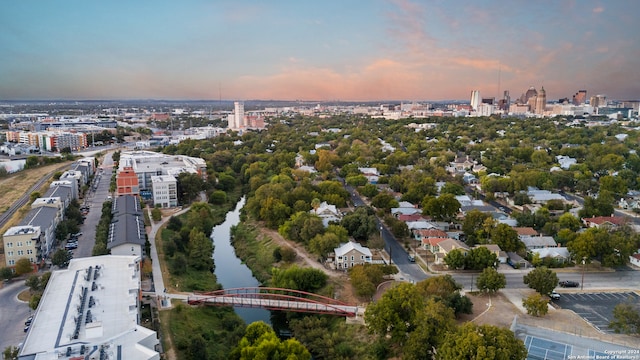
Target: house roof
(410, 217)
(491, 247)
(126, 229)
(525, 231)
(351, 245)
(405, 211)
(636, 256)
(126, 204)
(433, 241)
(599, 220)
(450, 244)
(420, 225)
(554, 252)
(436, 233)
(42, 216)
(532, 241)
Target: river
(229, 270)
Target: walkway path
(158, 279)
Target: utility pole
(582, 282)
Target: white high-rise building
(475, 99)
(238, 115)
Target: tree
(296, 278)
(454, 259)
(506, 238)
(385, 201)
(542, 280)
(11, 353)
(536, 305)
(471, 341)
(34, 301)
(360, 224)
(396, 313)
(189, 185)
(452, 188)
(261, 342)
(156, 214)
(626, 318)
(23, 266)
(474, 222)
(444, 288)
(61, 258)
(444, 207)
(490, 280)
(479, 258)
(200, 250)
(568, 221)
(434, 322)
(323, 244)
(33, 282)
(6, 273)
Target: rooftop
(89, 308)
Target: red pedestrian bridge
(274, 299)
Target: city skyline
(354, 51)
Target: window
(29, 243)
(12, 262)
(29, 251)
(9, 244)
(20, 252)
(19, 244)
(352, 258)
(10, 253)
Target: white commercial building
(165, 190)
(91, 311)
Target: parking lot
(595, 308)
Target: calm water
(231, 272)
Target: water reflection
(230, 271)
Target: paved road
(94, 199)
(13, 314)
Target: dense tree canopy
(542, 280)
(471, 341)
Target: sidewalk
(158, 280)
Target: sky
(349, 50)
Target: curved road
(13, 314)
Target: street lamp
(584, 258)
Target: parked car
(411, 258)
(29, 320)
(554, 295)
(569, 283)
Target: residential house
(328, 213)
(604, 221)
(420, 234)
(525, 231)
(405, 208)
(447, 245)
(560, 254)
(516, 261)
(538, 196)
(500, 254)
(350, 254)
(538, 242)
(460, 164)
(371, 174)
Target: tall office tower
(541, 102)
(239, 114)
(580, 97)
(598, 101)
(475, 99)
(505, 102)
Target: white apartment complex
(165, 190)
